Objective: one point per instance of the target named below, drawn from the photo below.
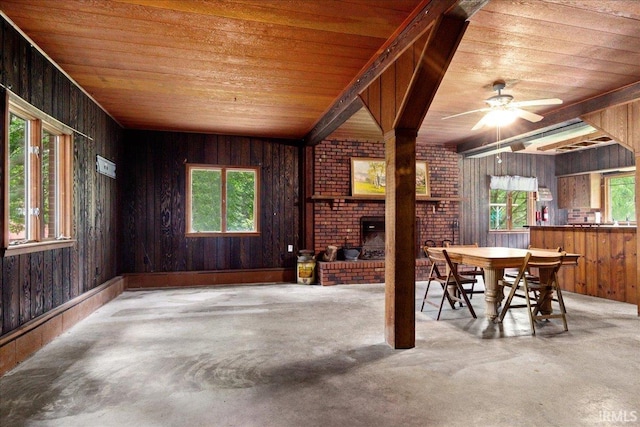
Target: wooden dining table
(494, 260)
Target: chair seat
(527, 275)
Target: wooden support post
(400, 220)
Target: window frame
(607, 195)
(38, 123)
(531, 200)
(224, 232)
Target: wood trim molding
(18, 345)
(208, 278)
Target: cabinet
(579, 191)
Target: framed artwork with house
(368, 179)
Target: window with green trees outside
(222, 199)
(620, 197)
(508, 210)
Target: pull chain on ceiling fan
(502, 110)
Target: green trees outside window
(18, 167)
(222, 199)
(621, 201)
(508, 210)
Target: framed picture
(368, 178)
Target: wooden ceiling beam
(427, 14)
(619, 96)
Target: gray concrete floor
(299, 355)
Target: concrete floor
(299, 355)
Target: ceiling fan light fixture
(500, 117)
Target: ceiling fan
(502, 110)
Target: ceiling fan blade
(466, 112)
(481, 123)
(527, 115)
(533, 102)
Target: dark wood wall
(609, 157)
(474, 182)
(32, 284)
(153, 200)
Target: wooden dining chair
(542, 288)
(469, 270)
(451, 282)
(428, 244)
(529, 273)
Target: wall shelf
(381, 199)
(334, 199)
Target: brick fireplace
(337, 215)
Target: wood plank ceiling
(275, 68)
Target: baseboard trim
(208, 278)
(21, 343)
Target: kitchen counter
(608, 266)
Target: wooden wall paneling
(374, 93)
(12, 58)
(164, 194)
(179, 206)
(35, 283)
(580, 247)
(269, 212)
(36, 70)
(404, 67)
(630, 246)
(128, 186)
(56, 278)
(389, 92)
(10, 293)
(279, 220)
(604, 264)
(591, 261)
(617, 265)
(568, 273)
(292, 204)
(36, 280)
(79, 260)
(67, 272)
(24, 61)
(24, 277)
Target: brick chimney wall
(337, 221)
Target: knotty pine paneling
(153, 200)
(607, 266)
(474, 183)
(33, 284)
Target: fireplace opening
(372, 237)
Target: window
(37, 179)
(509, 210)
(222, 200)
(620, 202)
